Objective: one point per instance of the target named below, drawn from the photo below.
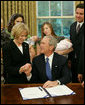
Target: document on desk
(40, 92)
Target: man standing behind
(50, 68)
(76, 36)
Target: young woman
(63, 45)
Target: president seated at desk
(49, 68)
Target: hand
(26, 69)
(60, 52)
(82, 84)
(49, 84)
(69, 64)
(23, 68)
(80, 76)
(34, 38)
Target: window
(60, 14)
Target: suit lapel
(54, 66)
(75, 29)
(81, 28)
(79, 36)
(14, 47)
(54, 62)
(43, 67)
(73, 32)
(24, 46)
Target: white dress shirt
(20, 48)
(80, 24)
(50, 62)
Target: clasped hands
(26, 69)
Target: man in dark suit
(58, 71)
(76, 36)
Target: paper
(32, 93)
(60, 90)
(39, 92)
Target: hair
(80, 6)
(18, 29)
(12, 19)
(50, 26)
(52, 41)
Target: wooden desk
(11, 95)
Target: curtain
(26, 8)
(78, 2)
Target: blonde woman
(19, 18)
(16, 58)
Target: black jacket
(13, 59)
(81, 59)
(5, 37)
(76, 39)
(60, 69)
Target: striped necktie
(78, 28)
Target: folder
(40, 92)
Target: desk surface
(11, 95)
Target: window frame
(55, 17)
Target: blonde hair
(18, 29)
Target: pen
(72, 93)
(40, 88)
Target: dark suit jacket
(13, 59)
(81, 59)
(60, 70)
(76, 39)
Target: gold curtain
(78, 2)
(26, 8)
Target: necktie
(78, 28)
(48, 70)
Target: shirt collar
(80, 23)
(50, 57)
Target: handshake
(26, 69)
